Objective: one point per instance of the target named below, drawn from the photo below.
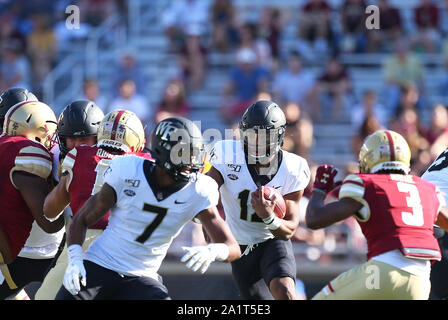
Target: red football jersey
(19, 154)
(399, 213)
(86, 165)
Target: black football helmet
(80, 118)
(262, 129)
(10, 98)
(178, 147)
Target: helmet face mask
(177, 146)
(262, 129)
(80, 118)
(384, 150)
(261, 145)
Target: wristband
(272, 222)
(75, 252)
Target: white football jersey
(227, 156)
(437, 173)
(141, 227)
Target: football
(275, 196)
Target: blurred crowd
(308, 78)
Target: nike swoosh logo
(179, 202)
(277, 187)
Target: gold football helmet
(123, 130)
(384, 150)
(33, 120)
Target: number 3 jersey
(227, 156)
(145, 220)
(398, 212)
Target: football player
(28, 134)
(118, 132)
(396, 212)
(150, 202)
(437, 173)
(267, 268)
(77, 124)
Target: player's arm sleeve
(33, 160)
(112, 175)
(216, 157)
(209, 194)
(441, 198)
(353, 187)
(67, 166)
(301, 179)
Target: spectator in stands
(91, 91)
(390, 30)
(181, 15)
(249, 39)
(299, 131)
(270, 27)
(437, 134)
(41, 44)
(192, 58)
(15, 69)
(354, 36)
(224, 31)
(246, 79)
(128, 68)
(96, 11)
(409, 98)
(294, 84)
(130, 100)
(367, 107)
(400, 69)
(173, 102)
(314, 28)
(409, 126)
(9, 30)
(427, 35)
(333, 89)
(369, 125)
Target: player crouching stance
(396, 212)
(149, 204)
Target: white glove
(75, 270)
(202, 256)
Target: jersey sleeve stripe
(354, 182)
(26, 154)
(33, 161)
(351, 191)
(71, 156)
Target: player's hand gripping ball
(279, 203)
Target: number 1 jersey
(227, 156)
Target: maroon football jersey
(399, 213)
(19, 154)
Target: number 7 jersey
(398, 212)
(145, 220)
